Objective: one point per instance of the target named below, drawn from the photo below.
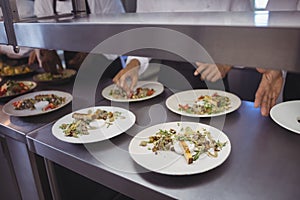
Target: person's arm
(268, 90)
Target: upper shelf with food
(227, 37)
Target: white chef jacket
(280, 5)
(149, 6)
(25, 9)
(44, 7)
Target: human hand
(32, 57)
(211, 72)
(268, 90)
(77, 60)
(127, 78)
(50, 61)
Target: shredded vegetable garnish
(207, 105)
(54, 101)
(198, 141)
(137, 94)
(13, 88)
(81, 123)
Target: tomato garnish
(150, 92)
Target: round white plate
(170, 163)
(100, 130)
(158, 87)
(9, 109)
(287, 115)
(189, 97)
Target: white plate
(100, 130)
(287, 114)
(189, 97)
(170, 163)
(8, 108)
(158, 87)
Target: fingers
(118, 76)
(209, 72)
(258, 97)
(265, 106)
(32, 58)
(134, 80)
(199, 69)
(264, 99)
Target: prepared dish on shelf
(53, 100)
(81, 123)
(207, 104)
(65, 74)
(7, 70)
(139, 93)
(14, 88)
(188, 142)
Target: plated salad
(53, 100)
(81, 123)
(207, 104)
(188, 142)
(48, 77)
(139, 93)
(14, 88)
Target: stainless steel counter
(263, 163)
(28, 170)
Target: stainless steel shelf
(263, 39)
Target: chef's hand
(77, 60)
(268, 90)
(127, 78)
(211, 72)
(50, 61)
(33, 58)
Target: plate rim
(92, 107)
(273, 109)
(183, 173)
(133, 100)
(68, 95)
(203, 116)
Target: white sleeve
(241, 5)
(43, 8)
(106, 6)
(279, 5)
(144, 61)
(8, 50)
